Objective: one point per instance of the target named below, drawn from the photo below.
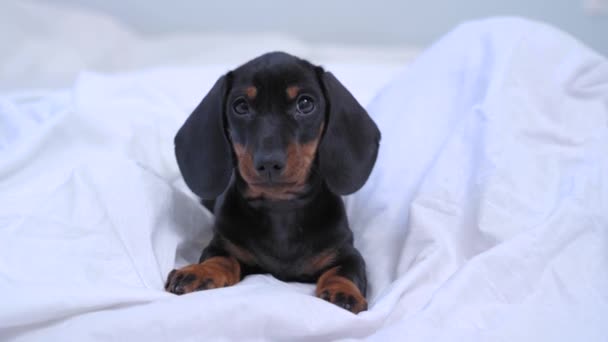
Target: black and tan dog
(270, 150)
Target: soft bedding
(485, 218)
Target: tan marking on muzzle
(297, 169)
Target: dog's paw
(353, 302)
(212, 273)
(341, 292)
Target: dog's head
(276, 119)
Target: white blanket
(485, 218)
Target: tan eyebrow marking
(251, 92)
(292, 92)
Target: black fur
(283, 237)
(201, 147)
(350, 146)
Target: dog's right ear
(201, 147)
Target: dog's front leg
(345, 284)
(215, 269)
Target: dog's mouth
(271, 184)
(277, 190)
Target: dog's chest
(285, 247)
(283, 237)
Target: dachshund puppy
(270, 150)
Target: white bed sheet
(485, 218)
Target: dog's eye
(305, 104)
(240, 106)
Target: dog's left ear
(349, 147)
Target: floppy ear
(202, 150)
(349, 148)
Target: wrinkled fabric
(485, 218)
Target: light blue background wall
(376, 22)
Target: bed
(485, 218)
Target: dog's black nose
(270, 165)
